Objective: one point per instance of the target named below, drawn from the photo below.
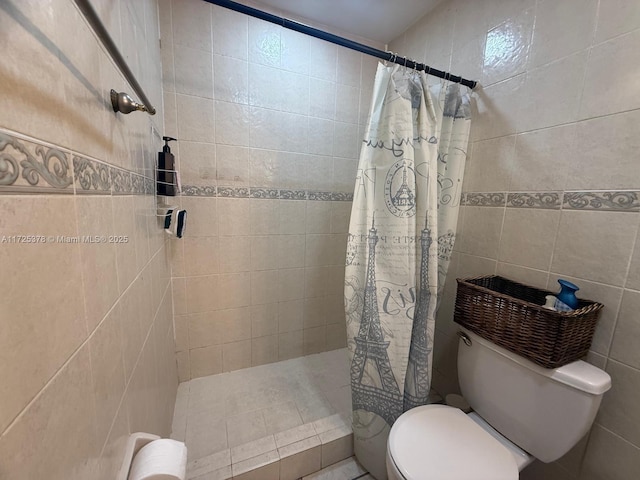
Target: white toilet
(522, 412)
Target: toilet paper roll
(162, 459)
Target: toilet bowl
(522, 412)
(453, 445)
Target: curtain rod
(343, 42)
(98, 27)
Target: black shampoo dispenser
(166, 184)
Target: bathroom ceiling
(377, 20)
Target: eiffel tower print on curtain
(417, 382)
(373, 384)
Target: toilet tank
(543, 411)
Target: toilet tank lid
(583, 376)
(579, 374)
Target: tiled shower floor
(242, 417)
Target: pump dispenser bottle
(166, 184)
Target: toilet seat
(441, 442)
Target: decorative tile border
(27, 167)
(91, 176)
(545, 200)
(33, 167)
(233, 192)
(264, 193)
(292, 194)
(121, 181)
(617, 201)
(484, 199)
(197, 191)
(595, 200)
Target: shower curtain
(401, 235)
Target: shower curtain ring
(405, 62)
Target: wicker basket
(510, 314)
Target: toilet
(521, 412)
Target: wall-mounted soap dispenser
(167, 175)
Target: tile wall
(553, 182)
(269, 123)
(86, 332)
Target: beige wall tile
(536, 166)
(506, 51)
(594, 160)
(290, 345)
(633, 276)
(314, 340)
(202, 293)
(233, 290)
(535, 278)
(114, 448)
(202, 219)
(206, 361)
(265, 251)
(491, 165)
(235, 254)
(184, 368)
(534, 249)
(336, 336)
(179, 291)
(264, 287)
(193, 70)
(44, 328)
(290, 316)
(107, 371)
(292, 217)
(57, 429)
(291, 250)
(197, 163)
(195, 118)
(619, 412)
(131, 311)
(230, 33)
(236, 355)
(181, 328)
(264, 217)
(549, 96)
(99, 272)
(552, 39)
(315, 312)
(201, 255)
(264, 350)
(316, 281)
(620, 16)
(481, 231)
(205, 329)
(472, 266)
(192, 24)
(584, 240)
(609, 456)
(627, 332)
(497, 108)
(607, 68)
(290, 284)
(236, 324)
(123, 225)
(264, 320)
(468, 60)
(233, 216)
